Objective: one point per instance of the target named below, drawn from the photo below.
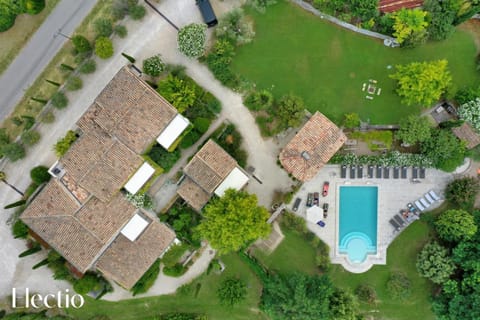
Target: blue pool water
(358, 222)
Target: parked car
(296, 204)
(326, 185)
(207, 12)
(316, 197)
(325, 210)
(310, 200)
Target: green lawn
(205, 303)
(296, 52)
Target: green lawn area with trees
(327, 65)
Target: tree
(103, 47)
(178, 92)
(441, 15)
(434, 263)
(364, 9)
(343, 305)
(470, 112)
(59, 100)
(414, 129)
(467, 94)
(74, 83)
(235, 27)
(137, 12)
(290, 111)
(140, 200)
(30, 137)
(233, 220)
(120, 30)
(192, 39)
(40, 174)
(456, 225)
(351, 120)
(231, 291)
(399, 285)
(103, 27)
(259, 100)
(366, 293)
(153, 66)
(297, 296)
(462, 192)
(408, 23)
(13, 151)
(88, 67)
(87, 283)
(422, 82)
(3, 178)
(444, 150)
(81, 44)
(63, 144)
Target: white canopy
(134, 227)
(314, 214)
(139, 178)
(173, 131)
(236, 179)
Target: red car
(326, 184)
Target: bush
(351, 120)
(235, 27)
(147, 280)
(175, 271)
(74, 83)
(190, 139)
(59, 100)
(398, 285)
(259, 100)
(28, 122)
(34, 6)
(40, 174)
(164, 158)
(462, 192)
(219, 62)
(201, 125)
(153, 66)
(15, 204)
(34, 249)
(231, 291)
(171, 257)
(137, 12)
(13, 151)
(294, 222)
(456, 225)
(121, 31)
(140, 200)
(81, 44)
(30, 137)
(63, 144)
(192, 39)
(366, 293)
(434, 263)
(19, 230)
(103, 48)
(88, 67)
(103, 27)
(87, 283)
(6, 21)
(47, 117)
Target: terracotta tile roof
(195, 196)
(78, 192)
(395, 5)
(126, 261)
(466, 133)
(312, 147)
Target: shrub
(398, 285)
(261, 5)
(137, 12)
(294, 222)
(30, 137)
(235, 27)
(120, 8)
(6, 21)
(456, 225)
(174, 271)
(87, 283)
(171, 257)
(63, 144)
(103, 27)
(351, 120)
(15, 204)
(190, 139)
(40, 174)
(366, 293)
(88, 66)
(34, 6)
(128, 57)
(121, 31)
(164, 158)
(192, 39)
(47, 117)
(81, 44)
(153, 66)
(38, 265)
(74, 83)
(219, 62)
(147, 280)
(462, 192)
(259, 100)
(231, 291)
(434, 263)
(19, 230)
(59, 100)
(28, 122)
(201, 125)
(179, 92)
(13, 151)
(34, 249)
(103, 48)
(140, 200)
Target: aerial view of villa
(240, 159)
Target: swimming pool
(358, 222)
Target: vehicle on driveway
(296, 204)
(326, 185)
(316, 198)
(310, 200)
(325, 210)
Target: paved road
(38, 52)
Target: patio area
(393, 195)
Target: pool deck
(393, 195)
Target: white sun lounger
(434, 195)
(424, 203)
(429, 198)
(419, 206)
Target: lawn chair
(370, 171)
(396, 172)
(379, 172)
(429, 198)
(386, 172)
(343, 171)
(419, 206)
(352, 171)
(422, 172)
(395, 224)
(424, 202)
(399, 219)
(414, 172)
(434, 195)
(360, 172)
(404, 172)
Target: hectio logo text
(51, 300)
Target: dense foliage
(219, 60)
(410, 26)
(444, 149)
(81, 44)
(351, 120)
(40, 174)
(470, 112)
(178, 92)
(231, 141)
(183, 220)
(290, 110)
(147, 280)
(192, 39)
(441, 18)
(462, 192)
(88, 67)
(414, 129)
(89, 282)
(434, 263)
(9, 9)
(456, 225)
(59, 100)
(422, 82)
(103, 47)
(398, 285)
(235, 27)
(231, 291)
(259, 100)
(153, 66)
(103, 27)
(63, 144)
(13, 151)
(233, 220)
(30, 137)
(163, 158)
(141, 200)
(74, 83)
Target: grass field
(17, 36)
(296, 52)
(206, 301)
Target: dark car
(207, 12)
(316, 198)
(325, 210)
(310, 200)
(326, 185)
(296, 204)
